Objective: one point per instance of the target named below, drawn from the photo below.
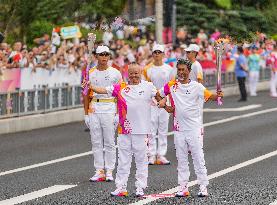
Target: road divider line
(36, 194)
(169, 133)
(212, 176)
(45, 163)
(237, 117)
(273, 203)
(236, 109)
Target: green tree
(19, 17)
(228, 16)
(270, 12)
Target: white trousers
(190, 140)
(273, 84)
(201, 137)
(159, 123)
(127, 146)
(102, 132)
(253, 82)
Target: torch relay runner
(196, 74)
(158, 73)
(187, 97)
(100, 116)
(134, 108)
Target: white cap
(102, 49)
(158, 47)
(193, 47)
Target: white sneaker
(182, 192)
(119, 192)
(151, 160)
(203, 192)
(139, 192)
(99, 176)
(161, 160)
(109, 176)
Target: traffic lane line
(59, 188)
(211, 176)
(45, 163)
(236, 109)
(273, 203)
(36, 194)
(169, 133)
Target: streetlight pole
(159, 21)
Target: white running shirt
(159, 75)
(103, 78)
(134, 103)
(186, 100)
(196, 71)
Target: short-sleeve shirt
(196, 72)
(103, 78)
(158, 75)
(187, 100)
(241, 60)
(134, 106)
(254, 62)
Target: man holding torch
(100, 116)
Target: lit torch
(85, 82)
(219, 50)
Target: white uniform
(159, 76)
(186, 99)
(102, 119)
(195, 74)
(134, 103)
(273, 81)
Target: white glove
(87, 121)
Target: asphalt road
(232, 137)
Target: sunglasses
(103, 54)
(157, 52)
(188, 51)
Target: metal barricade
(229, 78)
(42, 100)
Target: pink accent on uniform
(167, 92)
(122, 110)
(167, 89)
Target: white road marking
(36, 194)
(45, 163)
(212, 176)
(235, 118)
(273, 203)
(237, 109)
(169, 133)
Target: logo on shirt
(188, 92)
(107, 77)
(175, 87)
(141, 92)
(126, 90)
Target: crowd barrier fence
(45, 99)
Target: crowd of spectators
(127, 43)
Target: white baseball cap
(158, 47)
(102, 49)
(193, 47)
